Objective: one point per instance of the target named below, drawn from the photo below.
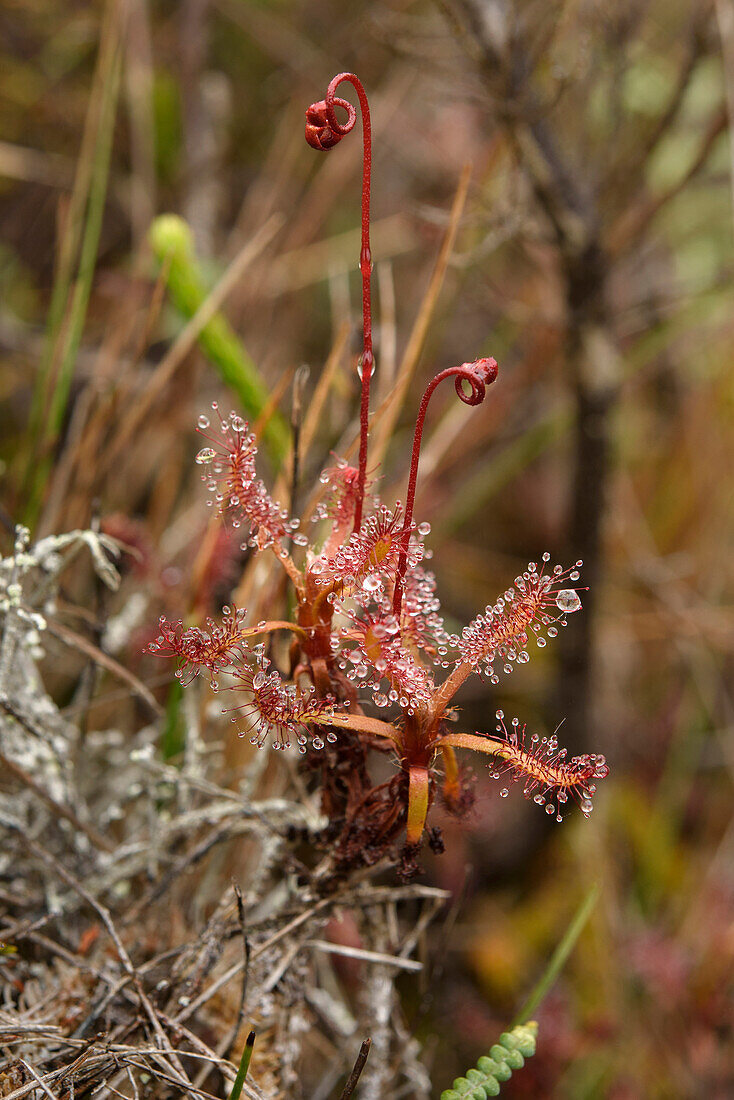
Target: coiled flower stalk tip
(477, 375)
(323, 132)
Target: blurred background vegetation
(592, 257)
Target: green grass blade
(88, 257)
(244, 1066)
(560, 955)
(74, 223)
(173, 737)
(58, 399)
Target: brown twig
(34, 1075)
(354, 1076)
(106, 918)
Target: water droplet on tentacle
(568, 601)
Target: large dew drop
(568, 601)
(360, 367)
(206, 454)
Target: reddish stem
(323, 131)
(478, 374)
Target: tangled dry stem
(114, 979)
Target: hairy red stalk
(324, 131)
(479, 375)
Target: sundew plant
(371, 667)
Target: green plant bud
(169, 235)
(173, 247)
(526, 1040)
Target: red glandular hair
(421, 626)
(547, 776)
(213, 649)
(277, 709)
(340, 501)
(378, 654)
(536, 603)
(372, 551)
(232, 480)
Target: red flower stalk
(479, 375)
(324, 131)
